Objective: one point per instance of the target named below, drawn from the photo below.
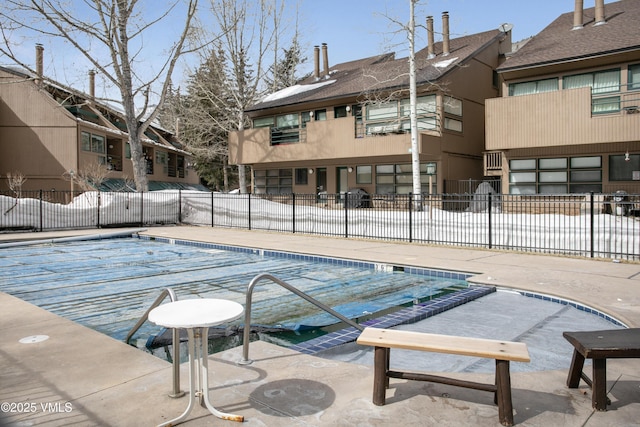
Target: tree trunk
(225, 174)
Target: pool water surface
(107, 285)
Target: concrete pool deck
(81, 377)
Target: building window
(340, 111)
(94, 144)
(621, 169)
(393, 117)
(263, 122)
(600, 82)
(181, 166)
(302, 176)
(536, 86)
(452, 124)
(305, 117)
(610, 104)
(148, 159)
(364, 175)
(425, 111)
(398, 179)
(273, 181)
(162, 159)
(320, 115)
(286, 130)
(634, 77)
(452, 106)
(555, 175)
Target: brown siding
(35, 133)
(554, 119)
(329, 139)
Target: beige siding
(325, 140)
(35, 134)
(554, 119)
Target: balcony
(561, 118)
(320, 140)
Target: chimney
(325, 60)
(39, 62)
(577, 15)
(430, 41)
(92, 84)
(316, 62)
(445, 33)
(600, 13)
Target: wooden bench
(600, 346)
(383, 340)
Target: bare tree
(91, 176)
(118, 27)
(15, 181)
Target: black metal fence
(591, 225)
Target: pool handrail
(247, 314)
(176, 392)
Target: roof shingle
(384, 72)
(558, 42)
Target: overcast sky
(352, 29)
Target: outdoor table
(196, 316)
(600, 346)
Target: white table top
(193, 313)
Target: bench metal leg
(503, 393)
(575, 371)
(380, 379)
(599, 387)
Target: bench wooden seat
(502, 351)
(600, 346)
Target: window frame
(537, 83)
(540, 175)
(633, 70)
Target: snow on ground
(612, 236)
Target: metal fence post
(346, 214)
(98, 209)
(41, 209)
(490, 223)
(591, 225)
(410, 206)
(179, 206)
(212, 208)
(141, 208)
(249, 209)
(293, 215)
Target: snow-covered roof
(380, 73)
(294, 90)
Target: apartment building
(568, 120)
(347, 126)
(49, 132)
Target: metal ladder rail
(247, 315)
(176, 392)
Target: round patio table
(196, 316)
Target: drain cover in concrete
(34, 339)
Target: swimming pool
(107, 285)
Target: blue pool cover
(109, 284)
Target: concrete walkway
(81, 377)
